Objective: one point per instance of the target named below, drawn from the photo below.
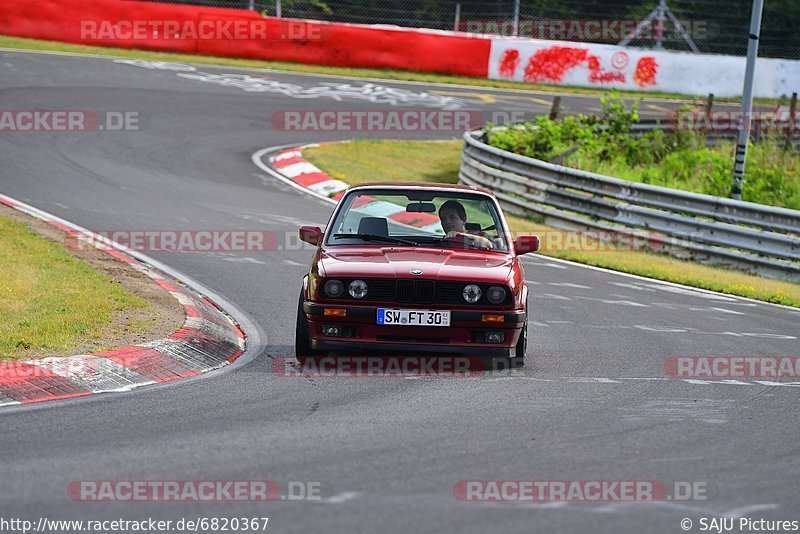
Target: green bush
(679, 160)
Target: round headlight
(471, 293)
(334, 288)
(496, 294)
(358, 289)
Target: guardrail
(713, 135)
(743, 235)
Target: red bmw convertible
(409, 267)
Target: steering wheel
(467, 240)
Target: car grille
(414, 291)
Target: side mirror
(526, 243)
(311, 234)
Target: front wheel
(515, 356)
(302, 344)
(521, 348)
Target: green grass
(772, 176)
(366, 161)
(388, 161)
(386, 74)
(51, 302)
(679, 160)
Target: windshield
(419, 218)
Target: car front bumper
(464, 336)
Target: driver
(454, 218)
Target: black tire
(516, 355)
(302, 346)
(520, 350)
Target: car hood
(397, 262)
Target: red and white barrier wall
(352, 45)
(312, 42)
(596, 65)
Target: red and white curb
(291, 165)
(209, 339)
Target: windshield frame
(413, 194)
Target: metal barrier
(743, 235)
(713, 136)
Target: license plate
(413, 317)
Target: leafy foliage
(676, 159)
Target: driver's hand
(473, 240)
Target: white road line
(744, 511)
(705, 410)
(568, 284)
(663, 329)
(551, 296)
(553, 265)
(632, 286)
(341, 498)
(659, 284)
(520, 378)
(246, 259)
(621, 302)
(626, 303)
(644, 378)
(751, 334)
(724, 382)
(723, 310)
(628, 380)
(590, 380)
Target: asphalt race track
(593, 403)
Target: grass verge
(772, 174)
(54, 303)
(366, 161)
(676, 159)
(386, 74)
